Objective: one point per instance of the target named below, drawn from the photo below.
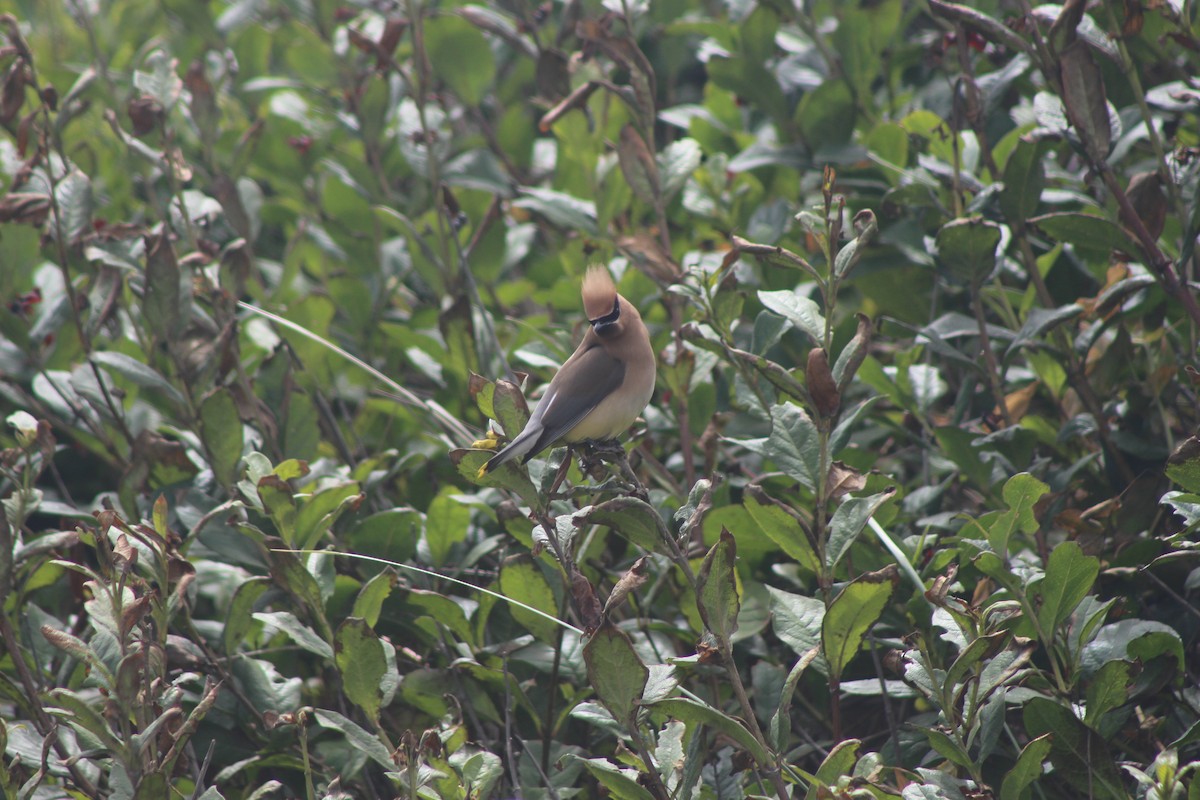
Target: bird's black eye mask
(602, 324)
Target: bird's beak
(601, 325)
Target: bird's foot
(593, 455)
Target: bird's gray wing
(574, 392)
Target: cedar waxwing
(602, 387)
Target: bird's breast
(616, 413)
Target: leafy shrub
(911, 514)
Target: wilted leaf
(821, 387)
(638, 165)
(631, 581)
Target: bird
(602, 388)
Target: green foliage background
(913, 510)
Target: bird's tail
(520, 446)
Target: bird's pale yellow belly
(615, 413)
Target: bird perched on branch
(602, 387)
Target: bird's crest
(599, 292)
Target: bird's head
(601, 302)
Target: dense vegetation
(914, 507)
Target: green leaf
(152, 786)
(1108, 689)
(851, 614)
(362, 663)
(509, 407)
(280, 504)
(1024, 179)
(840, 761)
(1069, 577)
(319, 512)
(160, 80)
(83, 716)
(240, 620)
(166, 304)
(757, 33)
(967, 248)
(752, 82)
(446, 522)
(634, 519)
(859, 55)
(889, 142)
(369, 601)
(780, 726)
(1080, 756)
(694, 713)
(957, 444)
(221, 431)
(852, 251)
(1027, 769)
(357, 736)
(441, 609)
(948, 748)
(391, 534)
(299, 633)
(622, 784)
(676, 163)
(972, 655)
(848, 522)
(615, 672)
(460, 55)
(560, 208)
(1038, 322)
(716, 589)
(1021, 492)
(290, 573)
(1183, 465)
(1083, 96)
(781, 528)
(792, 444)
(796, 619)
(801, 311)
(509, 476)
(73, 196)
(826, 115)
(523, 581)
(1085, 231)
